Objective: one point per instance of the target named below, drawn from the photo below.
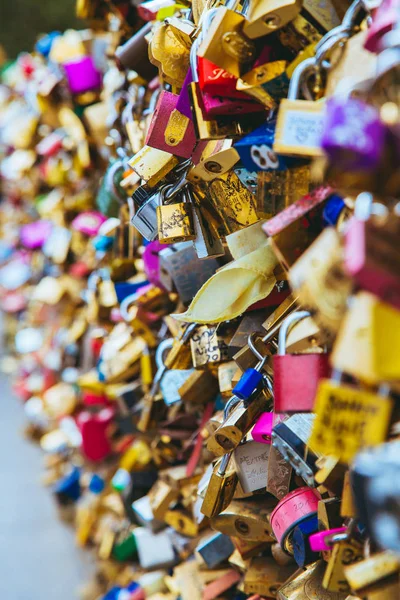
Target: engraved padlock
(300, 122)
(174, 218)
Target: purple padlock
(353, 135)
(35, 234)
(88, 222)
(183, 104)
(151, 262)
(82, 75)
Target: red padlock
(96, 444)
(169, 129)
(296, 376)
(216, 81)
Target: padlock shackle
(232, 402)
(310, 64)
(125, 304)
(286, 325)
(223, 465)
(162, 347)
(110, 183)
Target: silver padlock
(290, 438)
(251, 462)
(144, 515)
(215, 548)
(173, 379)
(188, 273)
(155, 550)
(145, 218)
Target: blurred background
(21, 21)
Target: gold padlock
(220, 489)
(174, 221)
(246, 519)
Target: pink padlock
(170, 130)
(93, 427)
(219, 106)
(151, 262)
(370, 256)
(82, 75)
(300, 503)
(323, 540)
(88, 222)
(33, 235)
(384, 18)
(262, 430)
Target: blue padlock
(251, 378)
(68, 488)
(332, 209)
(302, 552)
(44, 44)
(256, 150)
(102, 243)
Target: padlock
(95, 440)
(256, 153)
(169, 50)
(299, 505)
(300, 542)
(82, 75)
(300, 122)
(378, 570)
(302, 396)
(214, 163)
(262, 430)
(321, 268)
(384, 19)
(353, 135)
(366, 340)
(252, 378)
(251, 460)
(246, 519)
(232, 201)
(145, 218)
(152, 164)
(238, 421)
(216, 81)
(224, 44)
(370, 257)
(154, 550)
(180, 264)
(215, 549)
(357, 418)
(266, 17)
(345, 552)
(222, 127)
(206, 242)
(175, 220)
(308, 582)
(264, 576)
(220, 489)
(207, 346)
(291, 438)
(134, 54)
(169, 129)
